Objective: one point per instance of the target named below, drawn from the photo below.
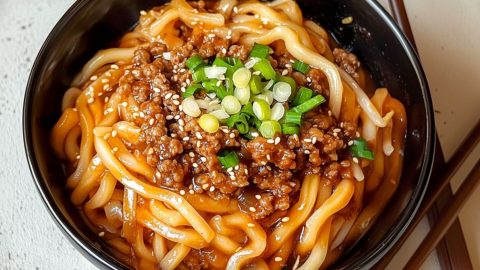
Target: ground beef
(347, 61)
(267, 180)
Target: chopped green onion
(194, 62)
(230, 63)
(301, 67)
(209, 123)
(217, 87)
(277, 111)
(309, 104)
(255, 122)
(191, 90)
(261, 109)
(239, 121)
(241, 77)
(360, 149)
(190, 107)
(268, 85)
(265, 69)
(215, 72)
(260, 51)
(256, 85)
(199, 75)
(288, 80)
(228, 159)
(243, 95)
(290, 129)
(220, 114)
(292, 117)
(282, 91)
(302, 95)
(229, 86)
(231, 105)
(269, 95)
(269, 129)
(264, 98)
(248, 110)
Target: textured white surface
(29, 238)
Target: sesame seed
(230, 169)
(337, 130)
(307, 140)
(335, 134)
(278, 259)
(277, 140)
(258, 197)
(272, 141)
(288, 65)
(224, 50)
(314, 140)
(355, 160)
(292, 61)
(285, 219)
(198, 135)
(255, 134)
(307, 152)
(203, 159)
(191, 154)
(142, 115)
(96, 161)
(169, 117)
(252, 209)
(191, 191)
(329, 113)
(151, 121)
(357, 134)
(143, 12)
(350, 143)
(177, 117)
(284, 72)
(231, 173)
(94, 78)
(90, 100)
(181, 122)
(104, 81)
(205, 186)
(236, 167)
(228, 37)
(186, 138)
(211, 35)
(246, 171)
(195, 165)
(309, 79)
(182, 192)
(198, 144)
(156, 90)
(114, 133)
(232, 177)
(235, 9)
(251, 225)
(176, 102)
(232, 135)
(183, 89)
(268, 157)
(168, 95)
(114, 66)
(175, 96)
(124, 104)
(225, 131)
(115, 149)
(101, 234)
(212, 189)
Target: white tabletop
(29, 238)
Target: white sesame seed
(186, 138)
(205, 186)
(104, 81)
(288, 65)
(285, 219)
(114, 133)
(77, 156)
(335, 134)
(224, 50)
(90, 100)
(309, 79)
(307, 140)
(256, 16)
(169, 117)
(151, 121)
(211, 35)
(307, 152)
(191, 154)
(212, 189)
(181, 122)
(175, 96)
(232, 135)
(355, 160)
(252, 209)
(236, 167)
(142, 115)
(168, 95)
(124, 104)
(246, 171)
(258, 197)
(337, 130)
(231, 173)
(284, 72)
(251, 225)
(198, 135)
(176, 102)
(268, 157)
(195, 165)
(277, 140)
(198, 144)
(191, 191)
(114, 66)
(101, 234)
(329, 113)
(96, 161)
(115, 149)
(143, 12)
(357, 134)
(232, 177)
(230, 169)
(177, 117)
(314, 140)
(255, 134)
(235, 9)
(272, 141)
(278, 259)
(182, 192)
(228, 37)
(203, 159)
(350, 143)
(156, 90)
(94, 78)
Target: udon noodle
(147, 177)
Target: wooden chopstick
(446, 219)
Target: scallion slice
(242, 94)
(292, 117)
(277, 111)
(265, 69)
(261, 109)
(360, 149)
(302, 95)
(209, 123)
(241, 77)
(290, 129)
(256, 85)
(194, 62)
(199, 75)
(288, 80)
(228, 159)
(248, 110)
(191, 90)
(239, 121)
(282, 91)
(260, 51)
(269, 129)
(309, 104)
(301, 67)
(231, 105)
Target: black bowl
(89, 26)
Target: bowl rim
(369, 259)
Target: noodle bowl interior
(229, 135)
